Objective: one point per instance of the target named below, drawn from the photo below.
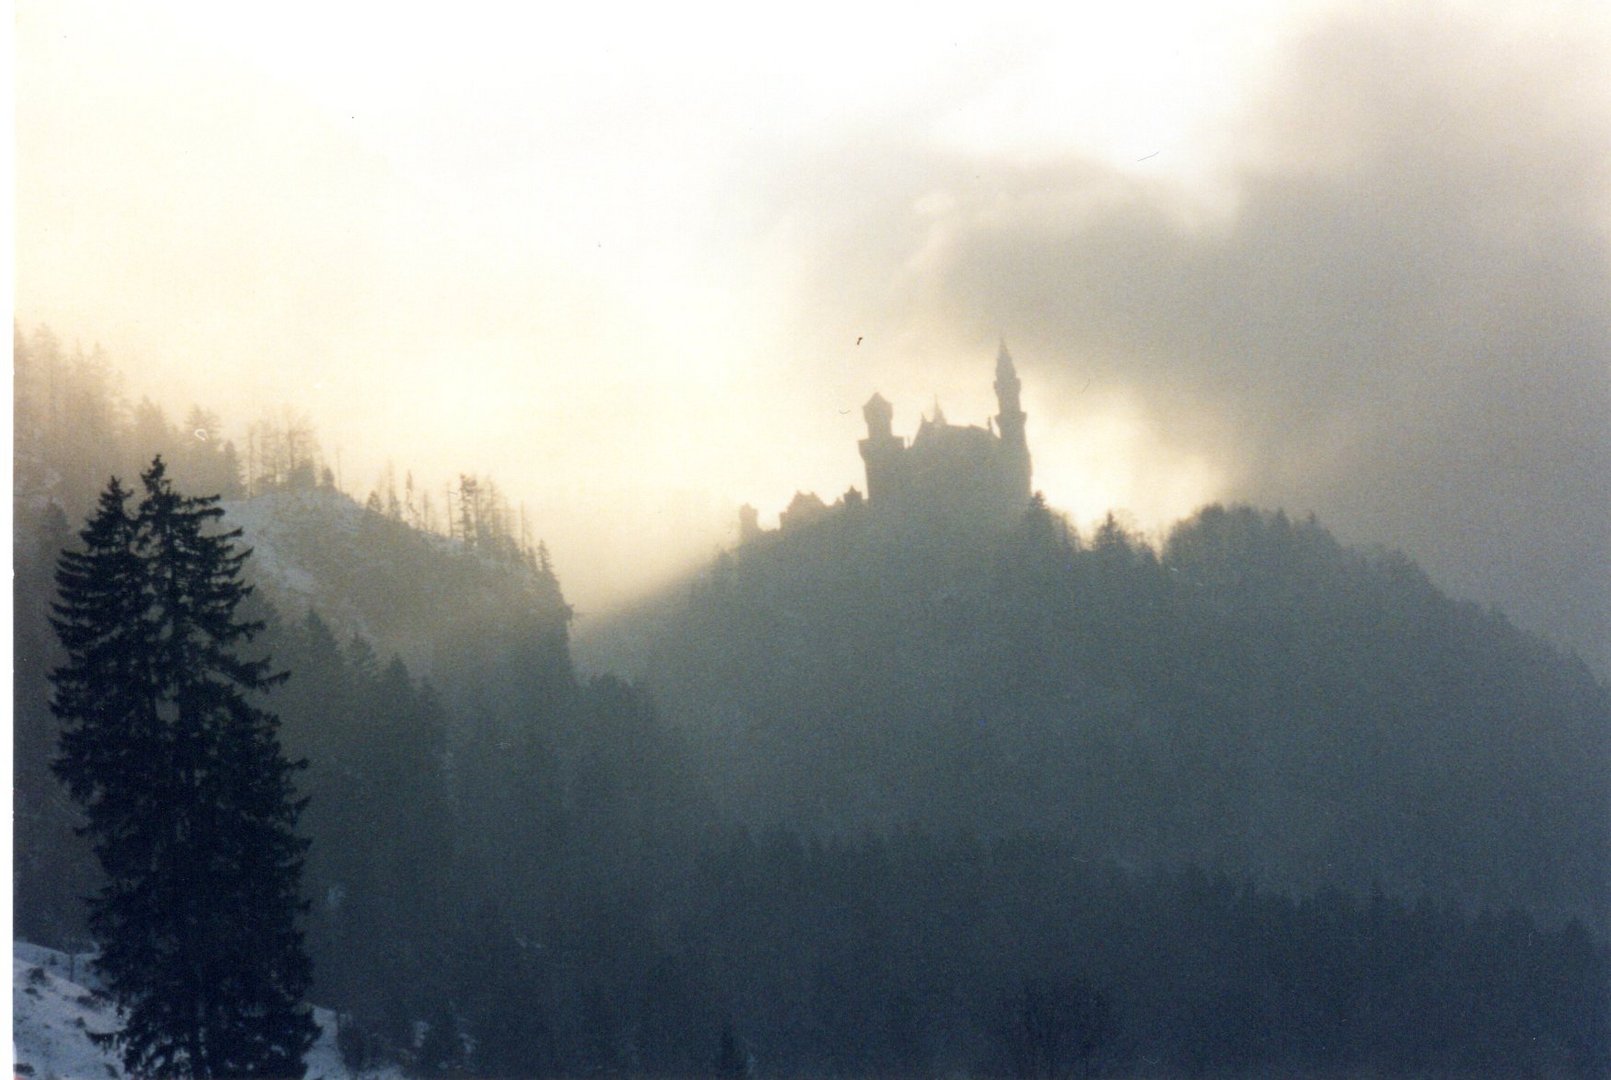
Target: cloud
(1392, 309)
(1373, 285)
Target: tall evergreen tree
(188, 798)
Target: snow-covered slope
(55, 1007)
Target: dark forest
(865, 799)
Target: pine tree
(187, 796)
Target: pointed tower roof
(1004, 364)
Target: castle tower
(881, 449)
(749, 524)
(1010, 421)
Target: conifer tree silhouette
(187, 796)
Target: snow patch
(56, 1005)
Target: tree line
(1247, 693)
(73, 420)
(515, 870)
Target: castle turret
(1010, 421)
(881, 449)
(749, 524)
(878, 414)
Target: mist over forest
(1002, 541)
(891, 789)
(1337, 259)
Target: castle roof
(940, 433)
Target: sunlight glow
(1109, 457)
(626, 248)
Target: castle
(957, 472)
(947, 474)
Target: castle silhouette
(946, 475)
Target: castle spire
(1010, 420)
(1007, 386)
(1006, 372)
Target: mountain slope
(409, 592)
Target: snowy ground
(54, 1008)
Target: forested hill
(1252, 695)
(999, 775)
(408, 591)
(467, 792)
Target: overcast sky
(645, 263)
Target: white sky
(585, 252)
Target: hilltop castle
(946, 474)
(959, 472)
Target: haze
(641, 266)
